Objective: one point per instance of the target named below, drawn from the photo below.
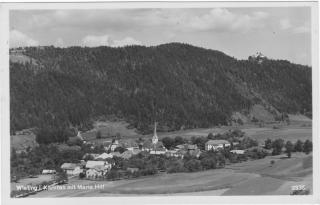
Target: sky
(278, 33)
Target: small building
(132, 169)
(132, 148)
(216, 144)
(237, 151)
(71, 168)
(49, 171)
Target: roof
(136, 151)
(180, 146)
(104, 156)
(217, 142)
(100, 168)
(92, 164)
(127, 154)
(192, 146)
(117, 154)
(195, 152)
(69, 166)
(90, 154)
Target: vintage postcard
(180, 102)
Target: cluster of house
(97, 165)
(91, 168)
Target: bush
(289, 148)
(301, 192)
(268, 144)
(208, 163)
(174, 166)
(272, 162)
(257, 153)
(307, 146)
(193, 165)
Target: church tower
(155, 137)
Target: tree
(298, 146)
(307, 146)
(168, 142)
(289, 148)
(277, 146)
(210, 136)
(98, 134)
(178, 140)
(268, 144)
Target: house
(180, 146)
(132, 148)
(96, 171)
(237, 151)
(135, 151)
(216, 144)
(107, 145)
(115, 154)
(49, 171)
(159, 151)
(104, 156)
(192, 147)
(132, 170)
(174, 153)
(91, 164)
(114, 145)
(195, 153)
(71, 168)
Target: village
(97, 165)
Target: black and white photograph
(189, 100)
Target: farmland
(256, 177)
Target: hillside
(179, 85)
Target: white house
(237, 151)
(96, 171)
(49, 171)
(216, 144)
(92, 164)
(71, 168)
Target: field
(109, 129)
(257, 177)
(32, 181)
(23, 140)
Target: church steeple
(155, 136)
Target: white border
(5, 125)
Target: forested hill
(178, 85)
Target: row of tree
(278, 145)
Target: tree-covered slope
(176, 84)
